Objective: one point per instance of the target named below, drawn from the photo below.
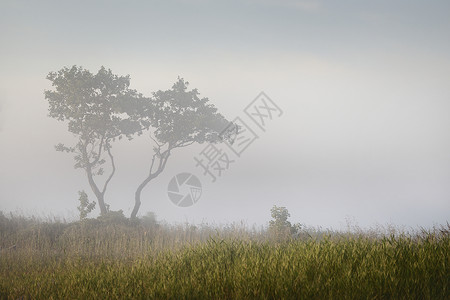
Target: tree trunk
(137, 197)
(98, 194)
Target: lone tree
(88, 102)
(176, 118)
(280, 225)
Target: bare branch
(159, 145)
(151, 166)
(162, 162)
(184, 144)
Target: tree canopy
(177, 118)
(88, 103)
(279, 225)
(100, 108)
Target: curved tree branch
(100, 146)
(161, 165)
(151, 166)
(112, 172)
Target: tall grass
(125, 260)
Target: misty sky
(364, 87)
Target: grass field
(124, 260)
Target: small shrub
(280, 227)
(85, 206)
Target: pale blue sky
(364, 86)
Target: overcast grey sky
(364, 86)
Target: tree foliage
(99, 108)
(88, 103)
(176, 118)
(182, 117)
(85, 206)
(279, 225)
